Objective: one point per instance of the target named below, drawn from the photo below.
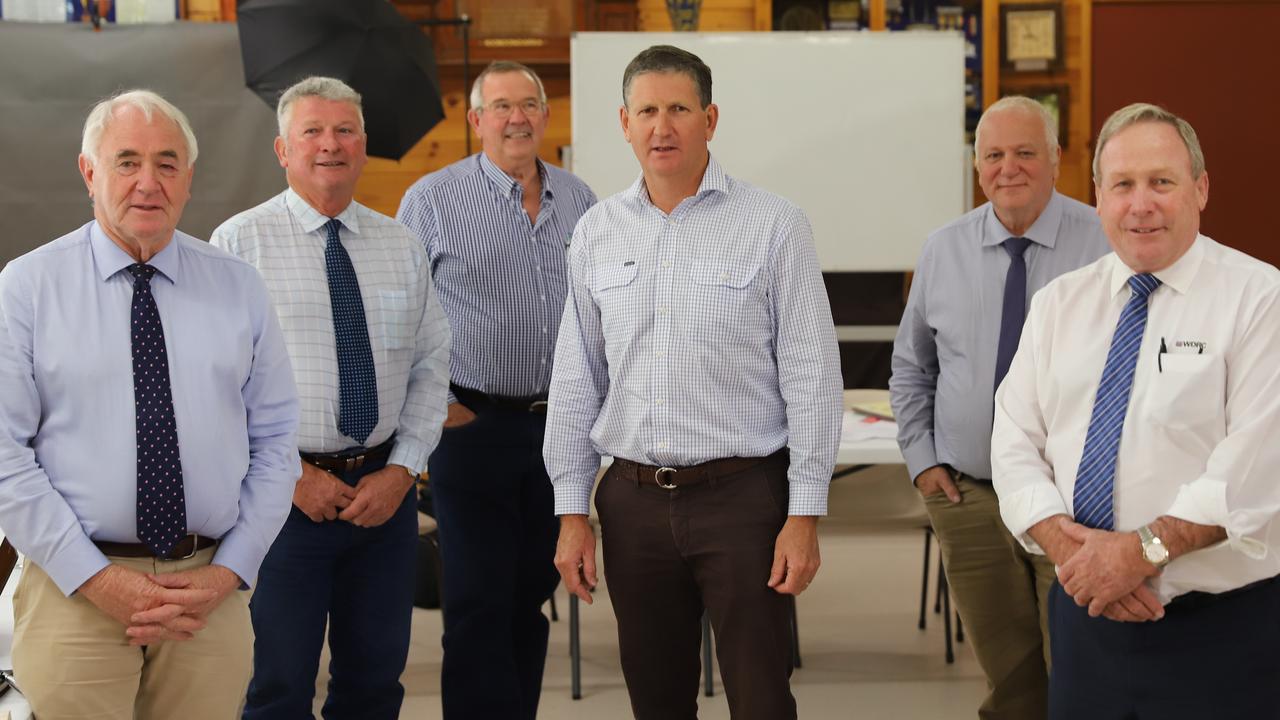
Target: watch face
(1155, 553)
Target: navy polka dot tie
(357, 381)
(162, 508)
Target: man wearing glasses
(496, 227)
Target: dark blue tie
(1095, 478)
(162, 507)
(357, 381)
(1014, 310)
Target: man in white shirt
(1141, 461)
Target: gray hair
(499, 67)
(669, 59)
(1026, 105)
(144, 101)
(1146, 112)
(325, 88)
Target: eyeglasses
(502, 109)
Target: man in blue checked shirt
(696, 349)
(495, 226)
(370, 347)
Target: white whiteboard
(864, 131)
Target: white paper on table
(855, 427)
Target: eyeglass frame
(539, 108)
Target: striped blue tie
(1095, 479)
(357, 379)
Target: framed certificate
(1053, 97)
(1031, 37)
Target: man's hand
(795, 555)
(378, 495)
(121, 593)
(576, 556)
(1051, 535)
(321, 495)
(458, 415)
(937, 480)
(1108, 566)
(1141, 605)
(216, 581)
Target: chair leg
(555, 613)
(946, 619)
(959, 628)
(575, 650)
(942, 584)
(795, 634)
(708, 672)
(924, 582)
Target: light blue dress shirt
(68, 458)
(501, 278)
(944, 357)
(693, 336)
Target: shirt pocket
(725, 304)
(394, 319)
(1189, 390)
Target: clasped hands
(171, 606)
(1100, 569)
(373, 500)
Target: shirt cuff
(240, 557)
(411, 454)
(807, 498)
(1021, 510)
(1204, 502)
(72, 567)
(573, 497)
(920, 456)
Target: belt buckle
(657, 478)
(538, 406)
(195, 547)
(354, 462)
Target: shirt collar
(504, 184)
(1044, 231)
(1178, 276)
(110, 258)
(714, 179)
(313, 220)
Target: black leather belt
(1196, 600)
(474, 399)
(348, 460)
(186, 547)
(670, 478)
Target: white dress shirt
(692, 336)
(284, 238)
(1200, 438)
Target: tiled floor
(863, 655)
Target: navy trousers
(1210, 657)
(498, 532)
(359, 581)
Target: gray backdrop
(51, 75)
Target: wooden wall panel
(1214, 63)
(716, 15)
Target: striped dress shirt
(501, 279)
(285, 238)
(693, 336)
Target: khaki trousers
(73, 661)
(1002, 593)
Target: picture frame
(1055, 98)
(1031, 37)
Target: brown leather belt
(348, 460)
(671, 478)
(475, 400)
(186, 547)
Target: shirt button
(660, 354)
(662, 446)
(544, 361)
(542, 297)
(724, 277)
(662, 310)
(666, 263)
(659, 401)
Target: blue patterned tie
(162, 507)
(1095, 479)
(357, 381)
(1014, 311)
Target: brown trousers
(1001, 591)
(668, 554)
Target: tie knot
(1015, 246)
(141, 273)
(1144, 284)
(331, 229)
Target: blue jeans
(498, 533)
(359, 581)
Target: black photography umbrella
(365, 43)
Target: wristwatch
(1153, 550)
